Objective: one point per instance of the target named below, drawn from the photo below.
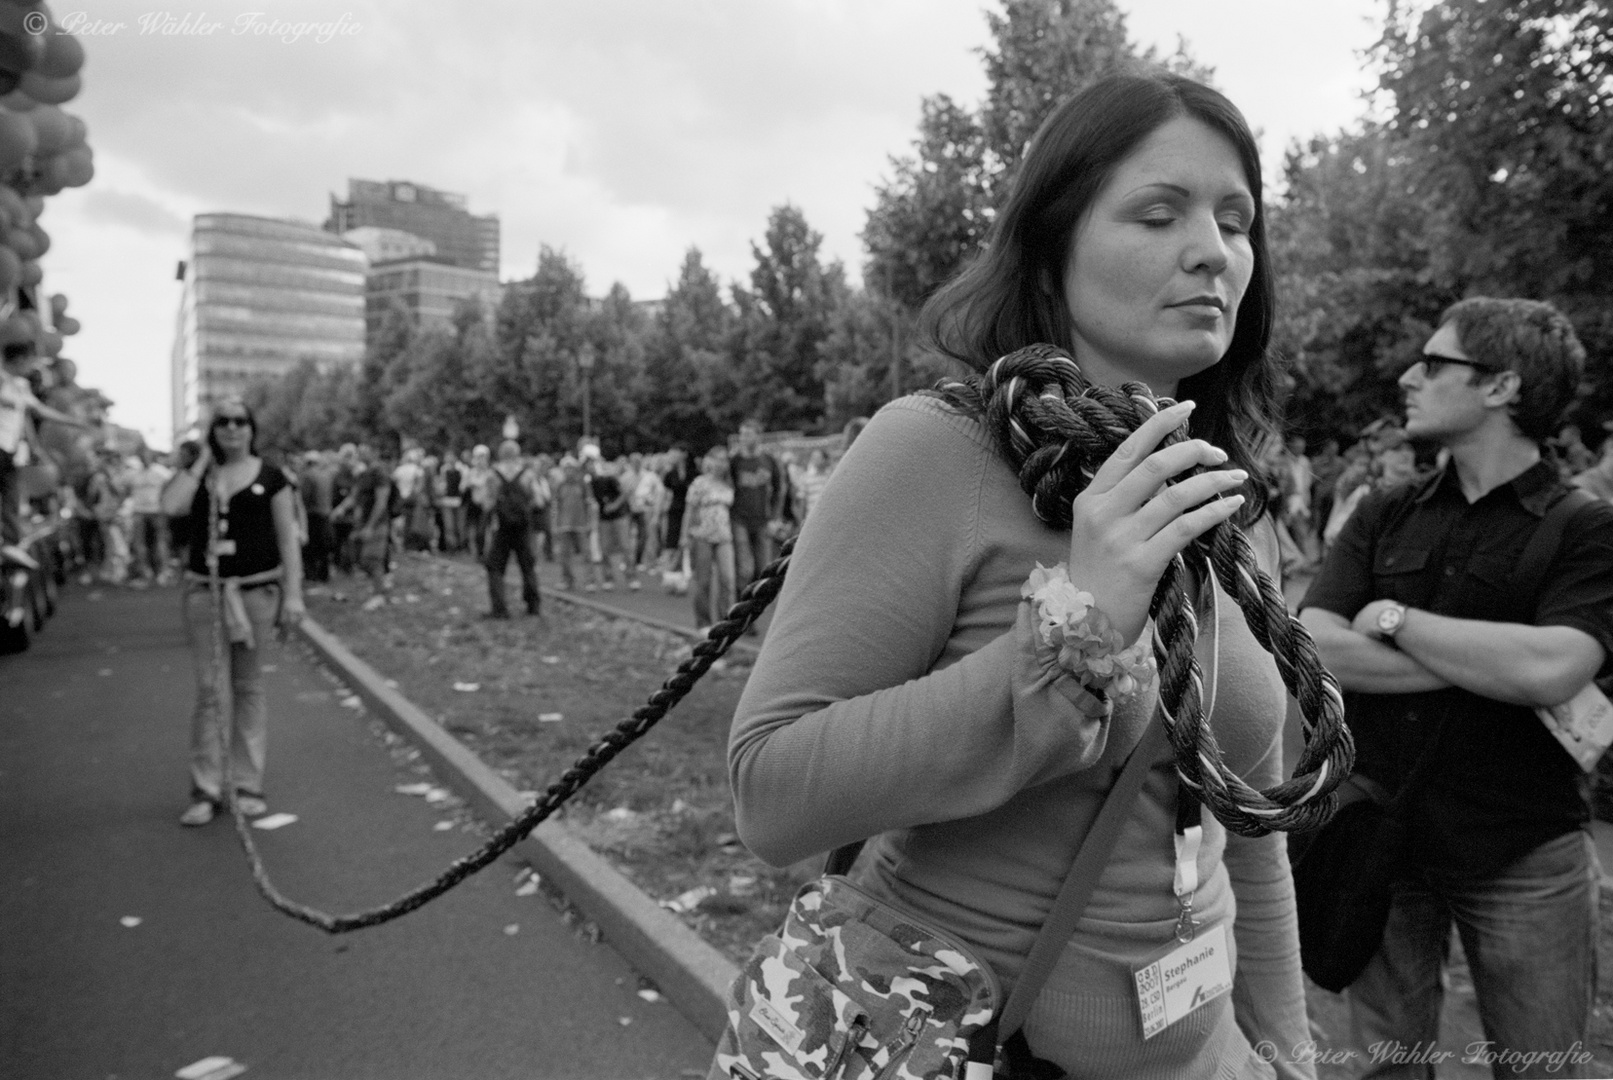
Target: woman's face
(715, 465)
(1160, 260)
(232, 428)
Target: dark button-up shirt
(1498, 784)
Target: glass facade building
(461, 238)
(260, 296)
(428, 289)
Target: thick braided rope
(753, 600)
(1056, 430)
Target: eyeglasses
(232, 421)
(1434, 363)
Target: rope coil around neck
(1056, 429)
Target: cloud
(132, 211)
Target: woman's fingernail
(1185, 406)
(1239, 475)
(1218, 454)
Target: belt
(236, 621)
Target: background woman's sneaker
(199, 812)
(251, 805)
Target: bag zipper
(904, 1045)
(995, 1002)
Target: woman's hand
(1128, 525)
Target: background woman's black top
(247, 520)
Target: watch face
(1389, 619)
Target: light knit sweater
(899, 695)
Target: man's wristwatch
(1390, 620)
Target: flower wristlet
(1084, 640)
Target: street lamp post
(585, 364)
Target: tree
(931, 217)
(784, 318)
(685, 366)
(437, 396)
(541, 328)
(1507, 110)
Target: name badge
(224, 547)
(1183, 980)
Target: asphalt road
(482, 983)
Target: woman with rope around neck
(241, 512)
(957, 672)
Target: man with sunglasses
(1420, 613)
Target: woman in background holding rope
(928, 683)
(243, 524)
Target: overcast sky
(623, 131)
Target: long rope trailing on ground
(1056, 429)
(752, 602)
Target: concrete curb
(693, 975)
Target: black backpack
(513, 505)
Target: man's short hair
(1532, 338)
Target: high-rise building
(261, 295)
(428, 289)
(461, 238)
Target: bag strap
(1548, 537)
(1082, 879)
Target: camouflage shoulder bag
(851, 988)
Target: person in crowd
(149, 525)
(615, 524)
(904, 692)
(342, 525)
(649, 510)
(244, 529)
(1325, 468)
(542, 521)
(420, 506)
(369, 507)
(759, 495)
(570, 499)
(810, 483)
(707, 534)
(1294, 482)
(1573, 456)
(679, 473)
(109, 501)
(518, 493)
(451, 504)
(1413, 613)
(1598, 479)
(318, 491)
(479, 498)
(185, 457)
(18, 407)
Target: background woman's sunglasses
(232, 421)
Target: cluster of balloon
(42, 152)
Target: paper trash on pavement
(513, 929)
(690, 900)
(211, 1068)
(443, 826)
(467, 687)
(550, 717)
(421, 788)
(527, 887)
(131, 921)
(649, 995)
(274, 821)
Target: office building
(428, 288)
(460, 237)
(261, 295)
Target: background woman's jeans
(713, 566)
(249, 738)
(1530, 938)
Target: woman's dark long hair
(1013, 296)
